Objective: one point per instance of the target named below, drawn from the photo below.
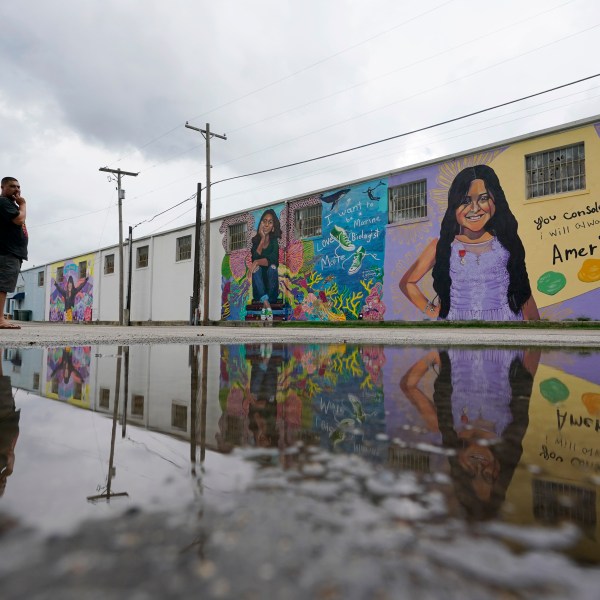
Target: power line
(413, 96)
(359, 84)
(411, 132)
(468, 42)
(401, 135)
(293, 74)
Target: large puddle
(502, 437)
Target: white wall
(172, 280)
(106, 288)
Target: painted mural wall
(485, 248)
(336, 275)
(72, 289)
(68, 374)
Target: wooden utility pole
(196, 284)
(207, 136)
(121, 195)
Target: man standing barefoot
(13, 241)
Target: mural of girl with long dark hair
(478, 262)
(480, 406)
(265, 262)
(69, 293)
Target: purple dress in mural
(480, 282)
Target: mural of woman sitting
(478, 262)
(265, 262)
(69, 293)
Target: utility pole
(196, 284)
(121, 196)
(207, 136)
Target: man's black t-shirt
(13, 238)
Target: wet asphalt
(43, 334)
(285, 537)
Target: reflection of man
(9, 429)
(13, 241)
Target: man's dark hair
(5, 180)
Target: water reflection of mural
(72, 285)
(68, 374)
(274, 395)
(479, 406)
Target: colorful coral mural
(274, 395)
(334, 275)
(72, 286)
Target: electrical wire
(412, 97)
(410, 132)
(293, 74)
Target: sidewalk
(44, 334)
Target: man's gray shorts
(10, 266)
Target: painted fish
(334, 198)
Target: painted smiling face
(476, 209)
(267, 224)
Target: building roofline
(527, 136)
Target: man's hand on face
(12, 189)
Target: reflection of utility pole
(125, 393)
(194, 387)
(207, 135)
(203, 411)
(109, 493)
(121, 196)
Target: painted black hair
(502, 225)
(507, 451)
(276, 233)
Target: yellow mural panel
(560, 232)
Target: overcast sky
(95, 83)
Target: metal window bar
(184, 248)
(408, 201)
(142, 257)
(307, 222)
(554, 501)
(237, 236)
(556, 171)
(179, 416)
(109, 264)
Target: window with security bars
(104, 400)
(142, 257)
(554, 501)
(82, 269)
(179, 416)
(77, 390)
(183, 248)
(555, 171)
(408, 202)
(237, 236)
(41, 278)
(36, 381)
(307, 221)
(60, 274)
(109, 264)
(137, 405)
